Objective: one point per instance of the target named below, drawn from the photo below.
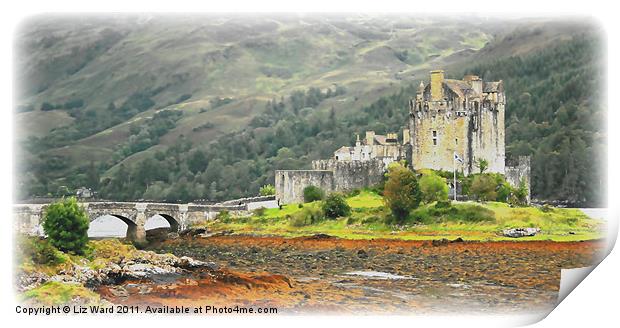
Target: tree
(433, 188)
(336, 206)
(483, 165)
(483, 188)
(267, 190)
(312, 193)
(66, 225)
(521, 193)
(402, 192)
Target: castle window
(456, 141)
(434, 138)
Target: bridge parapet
(134, 214)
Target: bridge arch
(132, 227)
(172, 221)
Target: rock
(216, 234)
(440, 242)
(193, 231)
(118, 291)
(458, 240)
(320, 236)
(188, 262)
(520, 232)
(362, 254)
(26, 281)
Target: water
(377, 275)
(596, 213)
(110, 226)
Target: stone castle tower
(465, 117)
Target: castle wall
(473, 128)
(519, 170)
(350, 175)
(488, 137)
(435, 135)
(290, 184)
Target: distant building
(374, 146)
(84, 193)
(447, 119)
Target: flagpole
(454, 174)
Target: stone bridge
(135, 214)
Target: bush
(66, 225)
(401, 192)
(223, 216)
(267, 190)
(40, 251)
(307, 216)
(521, 193)
(483, 188)
(336, 206)
(468, 213)
(433, 188)
(443, 204)
(259, 211)
(312, 193)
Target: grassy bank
(37, 256)
(370, 219)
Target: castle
(453, 124)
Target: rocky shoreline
(140, 265)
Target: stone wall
(349, 175)
(290, 184)
(330, 175)
(519, 169)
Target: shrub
(307, 216)
(66, 225)
(504, 191)
(521, 193)
(40, 251)
(267, 190)
(312, 193)
(483, 188)
(335, 206)
(223, 216)
(401, 192)
(458, 213)
(259, 211)
(443, 204)
(433, 188)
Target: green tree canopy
(66, 225)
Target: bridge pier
(140, 232)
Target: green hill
(191, 107)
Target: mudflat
(324, 274)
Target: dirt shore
(322, 274)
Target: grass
(55, 293)
(468, 220)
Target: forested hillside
(199, 144)
(556, 113)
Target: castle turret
(437, 79)
(370, 137)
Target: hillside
(103, 101)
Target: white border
(591, 303)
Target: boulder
(520, 232)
